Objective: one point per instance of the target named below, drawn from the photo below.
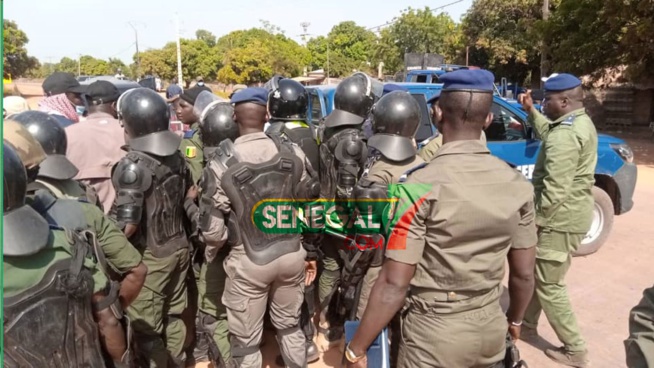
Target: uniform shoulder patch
(190, 152)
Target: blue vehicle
(513, 140)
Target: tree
(92, 66)
(16, 61)
(593, 35)
(113, 64)
(206, 36)
(419, 31)
(255, 55)
(504, 36)
(349, 46)
(198, 59)
(66, 65)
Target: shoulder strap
(146, 160)
(226, 154)
(39, 184)
(410, 171)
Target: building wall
(620, 107)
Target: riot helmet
(289, 101)
(216, 119)
(273, 83)
(395, 120)
(25, 232)
(353, 99)
(146, 117)
(52, 137)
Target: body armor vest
(51, 324)
(302, 136)
(162, 223)
(246, 185)
(342, 156)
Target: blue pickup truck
(513, 140)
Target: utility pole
(138, 57)
(467, 54)
(543, 46)
(79, 64)
(327, 59)
(179, 53)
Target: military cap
(29, 150)
(390, 87)
(435, 97)
(477, 80)
(257, 95)
(561, 82)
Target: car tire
(603, 213)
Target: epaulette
(569, 120)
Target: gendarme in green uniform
(428, 151)
(21, 273)
(191, 147)
(563, 180)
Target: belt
(446, 296)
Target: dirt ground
(603, 287)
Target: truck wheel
(601, 226)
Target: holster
(512, 356)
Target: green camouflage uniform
(563, 179)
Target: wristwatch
(351, 357)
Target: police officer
(191, 146)
(288, 102)
(56, 172)
(640, 343)
(429, 148)
(343, 154)
(151, 185)
(395, 120)
(121, 261)
(261, 267)
(563, 179)
(50, 281)
(212, 343)
(450, 245)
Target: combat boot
(569, 358)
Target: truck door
(509, 139)
(317, 109)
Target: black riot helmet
(216, 119)
(146, 117)
(289, 101)
(395, 120)
(25, 231)
(52, 137)
(353, 99)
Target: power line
(125, 49)
(432, 10)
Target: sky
(100, 28)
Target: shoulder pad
(130, 175)
(189, 134)
(226, 154)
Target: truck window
(421, 79)
(425, 129)
(506, 126)
(316, 109)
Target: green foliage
(198, 59)
(255, 55)
(349, 47)
(504, 36)
(592, 35)
(15, 59)
(420, 31)
(66, 65)
(206, 36)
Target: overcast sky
(58, 28)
